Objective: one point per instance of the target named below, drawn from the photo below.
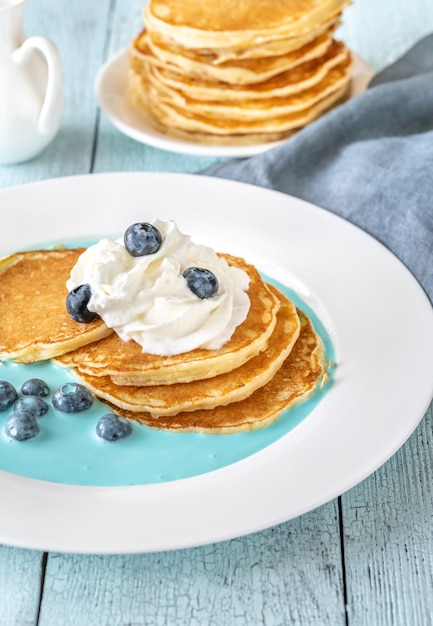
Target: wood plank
(20, 580)
(290, 574)
(388, 538)
(78, 30)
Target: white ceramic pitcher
(31, 100)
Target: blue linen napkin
(370, 161)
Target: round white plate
(366, 299)
(110, 90)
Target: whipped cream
(147, 299)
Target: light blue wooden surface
(364, 559)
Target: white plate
(110, 90)
(365, 297)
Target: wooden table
(366, 558)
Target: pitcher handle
(47, 118)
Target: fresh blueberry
(111, 427)
(141, 239)
(21, 426)
(72, 398)
(31, 404)
(203, 283)
(76, 304)
(8, 395)
(35, 387)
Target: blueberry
(76, 304)
(8, 395)
(203, 283)
(141, 239)
(35, 387)
(21, 426)
(72, 398)
(31, 404)
(111, 427)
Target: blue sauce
(67, 449)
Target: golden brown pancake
(179, 117)
(293, 81)
(261, 109)
(259, 50)
(210, 24)
(298, 377)
(34, 322)
(232, 386)
(238, 72)
(127, 364)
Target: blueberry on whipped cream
(141, 239)
(76, 304)
(201, 281)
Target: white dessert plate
(366, 300)
(110, 90)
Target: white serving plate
(365, 298)
(111, 94)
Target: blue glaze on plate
(68, 450)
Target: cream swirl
(147, 298)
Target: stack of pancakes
(274, 359)
(227, 72)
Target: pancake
(300, 375)
(293, 81)
(250, 139)
(34, 323)
(223, 24)
(237, 72)
(261, 109)
(232, 386)
(275, 47)
(127, 364)
(173, 116)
